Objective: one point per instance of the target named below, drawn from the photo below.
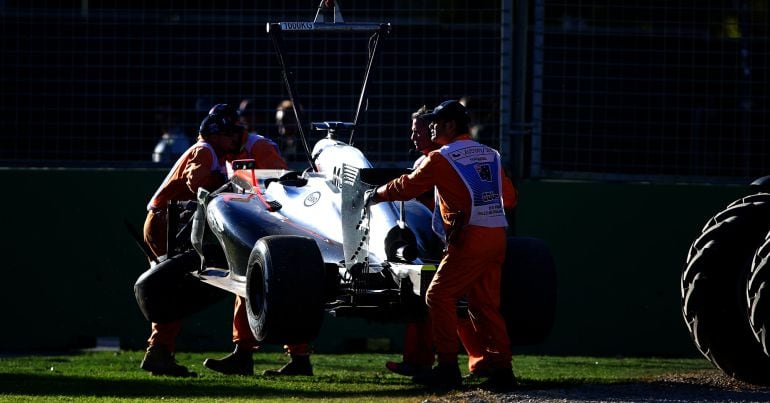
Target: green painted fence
(69, 264)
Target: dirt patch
(703, 386)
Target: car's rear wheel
(285, 289)
(758, 295)
(528, 291)
(713, 289)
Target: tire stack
(724, 289)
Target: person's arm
(510, 193)
(266, 155)
(198, 172)
(419, 181)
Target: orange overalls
(197, 167)
(266, 156)
(471, 265)
(418, 336)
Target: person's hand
(371, 198)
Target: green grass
(115, 376)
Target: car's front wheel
(285, 289)
(169, 292)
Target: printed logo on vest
(485, 172)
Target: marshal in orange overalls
(471, 266)
(197, 168)
(418, 337)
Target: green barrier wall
(69, 264)
(620, 250)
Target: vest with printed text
(479, 167)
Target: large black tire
(758, 296)
(528, 291)
(713, 289)
(285, 289)
(755, 200)
(168, 291)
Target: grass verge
(115, 376)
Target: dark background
(661, 91)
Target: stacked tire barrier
(724, 288)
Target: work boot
(406, 369)
(299, 365)
(481, 373)
(499, 379)
(444, 375)
(239, 362)
(159, 361)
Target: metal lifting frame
(327, 19)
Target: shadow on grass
(58, 385)
(42, 385)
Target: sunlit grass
(98, 376)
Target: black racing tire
(713, 289)
(168, 291)
(285, 289)
(751, 201)
(758, 296)
(528, 291)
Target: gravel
(700, 386)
